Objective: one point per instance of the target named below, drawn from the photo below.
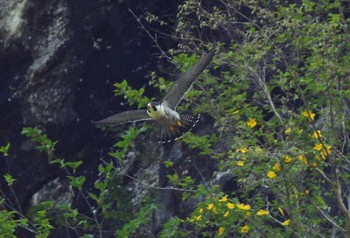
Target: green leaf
(123, 145)
(73, 165)
(9, 179)
(31, 132)
(100, 185)
(38, 136)
(87, 236)
(168, 163)
(185, 61)
(93, 196)
(58, 161)
(4, 149)
(142, 217)
(133, 96)
(77, 181)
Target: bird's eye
(154, 108)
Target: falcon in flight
(172, 123)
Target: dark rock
(58, 190)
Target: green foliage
(42, 224)
(102, 186)
(160, 83)
(69, 164)
(38, 136)
(4, 149)
(186, 182)
(281, 116)
(185, 61)
(204, 143)
(77, 182)
(168, 163)
(10, 220)
(124, 144)
(8, 223)
(142, 217)
(49, 215)
(171, 229)
(132, 95)
(9, 179)
(87, 236)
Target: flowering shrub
(281, 113)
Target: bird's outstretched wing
(124, 117)
(185, 81)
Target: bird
(173, 125)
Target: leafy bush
(281, 115)
(49, 215)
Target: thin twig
(329, 219)
(159, 188)
(330, 181)
(150, 35)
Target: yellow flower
(252, 123)
(210, 206)
(240, 163)
(242, 150)
(230, 205)
(281, 211)
(277, 167)
(326, 152)
(309, 115)
(221, 230)
(300, 157)
(262, 212)
(271, 174)
(198, 218)
(243, 206)
(288, 131)
(287, 159)
(318, 147)
(223, 199)
(201, 210)
(286, 222)
(317, 134)
(227, 214)
(244, 229)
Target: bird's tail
(179, 128)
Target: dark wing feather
(124, 117)
(184, 83)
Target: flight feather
(185, 81)
(124, 117)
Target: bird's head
(154, 109)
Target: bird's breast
(166, 117)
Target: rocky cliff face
(58, 62)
